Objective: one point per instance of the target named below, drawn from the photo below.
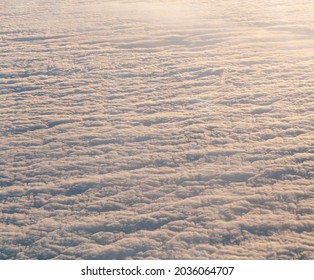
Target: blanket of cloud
(156, 129)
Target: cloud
(134, 130)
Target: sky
(156, 129)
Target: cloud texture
(156, 130)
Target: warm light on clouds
(156, 129)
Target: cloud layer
(156, 130)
